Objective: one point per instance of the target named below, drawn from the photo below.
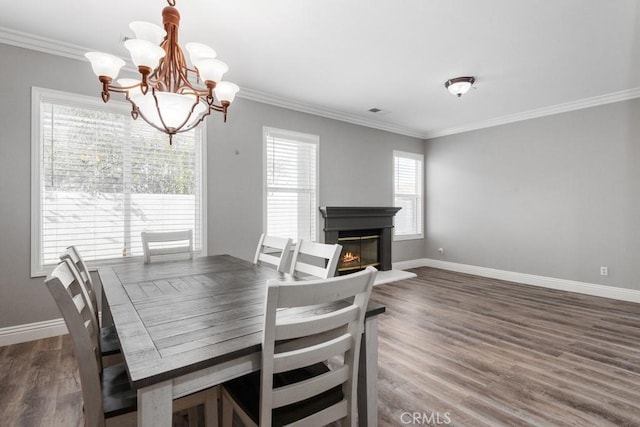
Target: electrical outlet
(441, 250)
(604, 271)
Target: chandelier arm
(194, 124)
(123, 89)
(225, 105)
(135, 111)
(190, 90)
(218, 108)
(197, 122)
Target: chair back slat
(306, 389)
(295, 359)
(158, 243)
(340, 287)
(326, 416)
(316, 324)
(78, 301)
(67, 292)
(74, 255)
(274, 251)
(315, 259)
(332, 313)
(308, 341)
(83, 279)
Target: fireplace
(363, 232)
(360, 249)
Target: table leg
(155, 405)
(368, 375)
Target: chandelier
(170, 96)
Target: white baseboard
(593, 289)
(413, 263)
(32, 331)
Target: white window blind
(101, 178)
(408, 172)
(291, 170)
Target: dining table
(188, 325)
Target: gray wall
(355, 169)
(557, 196)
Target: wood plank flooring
(471, 351)
(40, 385)
(455, 349)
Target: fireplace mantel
(346, 218)
(339, 218)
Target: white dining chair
(107, 396)
(294, 385)
(315, 259)
(275, 251)
(109, 345)
(163, 243)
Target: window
(407, 187)
(291, 177)
(100, 178)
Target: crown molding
(595, 101)
(290, 104)
(41, 44)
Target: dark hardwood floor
(473, 351)
(455, 349)
(40, 384)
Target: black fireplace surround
(341, 221)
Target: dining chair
(109, 345)
(274, 251)
(315, 259)
(157, 243)
(294, 384)
(108, 399)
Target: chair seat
(117, 396)
(246, 392)
(109, 343)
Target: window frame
(38, 95)
(304, 137)
(419, 197)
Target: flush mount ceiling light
(460, 85)
(170, 96)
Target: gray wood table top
(178, 317)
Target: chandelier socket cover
(170, 95)
(460, 85)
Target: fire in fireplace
(349, 259)
(360, 249)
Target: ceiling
(339, 58)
